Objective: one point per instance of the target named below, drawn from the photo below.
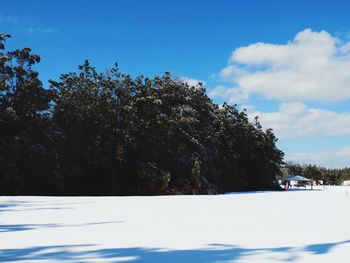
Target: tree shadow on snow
(7, 206)
(26, 227)
(23, 227)
(323, 248)
(213, 253)
(19, 206)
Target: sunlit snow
(292, 226)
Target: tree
(294, 169)
(26, 157)
(107, 133)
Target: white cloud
(231, 96)
(296, 120)
(191, 81)
(314, 66)
(335, 158)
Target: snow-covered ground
(294, 226)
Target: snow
(294, 226)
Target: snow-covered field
(294, 226)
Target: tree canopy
(93, 133)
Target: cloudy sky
(286, 61)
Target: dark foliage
(96, 133)
(319, 174)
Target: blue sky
(215, 42)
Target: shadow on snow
(214, 253)
(25, 227)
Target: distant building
(346, 183)
(318, 182)
(297, 181)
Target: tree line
(327, 176)
(107, 133)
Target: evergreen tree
(26, 157)
(107, 133)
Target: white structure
(297, 181)
(346, 183)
